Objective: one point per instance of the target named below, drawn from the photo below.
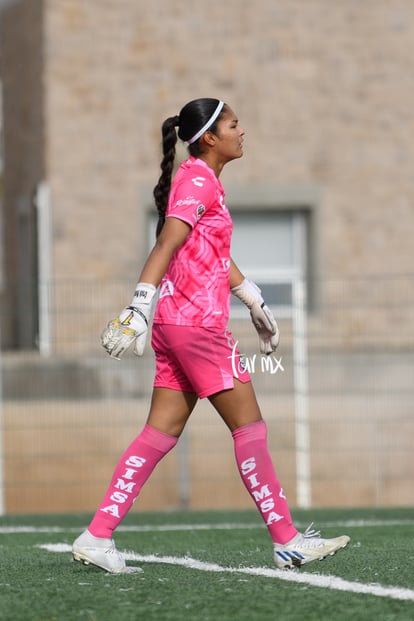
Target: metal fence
(337, 397)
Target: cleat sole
(125, 570)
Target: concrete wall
(65, 427)
(323, 90)
(60, 456)
(325, 93)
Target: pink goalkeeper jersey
(195, 289)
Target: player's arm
(262, 317)
(132, 324)
(236, 276)
(173, 235)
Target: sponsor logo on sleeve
(200, 211)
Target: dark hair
(193, 116)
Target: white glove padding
(262, 317)
(131, 325)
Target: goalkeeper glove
(261, 315)
(131, 325)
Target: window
(271, 247)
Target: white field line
(10, 530)
(315, 580)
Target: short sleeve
(191, 198)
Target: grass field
(210, 566)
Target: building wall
(323, 90)
(325, 93)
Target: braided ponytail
(195, 117)
(162, 189)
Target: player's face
(230, 136)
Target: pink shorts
(192, 359)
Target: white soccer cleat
(101, 552)
(307, 547)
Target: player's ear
(209, 138)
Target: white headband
(208, 124)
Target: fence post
(44, 253)
(184, 491)
(301, 393)
(2, 504)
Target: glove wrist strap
(248, 292)
(144, 294)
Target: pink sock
(258, 475)
(131, 472)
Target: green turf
(39, 585)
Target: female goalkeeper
(191, 264)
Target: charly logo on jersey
(221, 201)
(166, 288)
(198, 181)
